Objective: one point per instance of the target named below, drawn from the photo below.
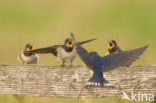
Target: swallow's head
(112, 44)
(28, 47)
(69, 43)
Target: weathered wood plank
(55, 81)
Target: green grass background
(132, 23)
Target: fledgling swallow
(100, 64)
(113, 47)
(26, 57)
(64, 53)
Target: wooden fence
(55, 81)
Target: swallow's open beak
(31, 47)
(110, 44)
(70, 43)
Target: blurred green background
(132, 23)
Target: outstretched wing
(81, 42)
(85, 57)
(86, 41)
(51, 49)
(125, 58)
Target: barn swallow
(107, 63)
(26, 57)
(113, 47)
(64, 53)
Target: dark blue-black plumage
(100, 64)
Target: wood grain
(55, 81)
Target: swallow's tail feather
(97, 80)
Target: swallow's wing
(85, 57)
(125, 58)
(81, 42)
(19, 59)
(51, 49)
(119, 49)
(94, 63)
(86, 41)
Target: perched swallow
(113, 47)
(65, 53)
(100, 64)
(26, 57)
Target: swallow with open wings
(100, 64)
(64, 53)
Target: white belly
(64, 56)
(28, 60)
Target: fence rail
(55, 81)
